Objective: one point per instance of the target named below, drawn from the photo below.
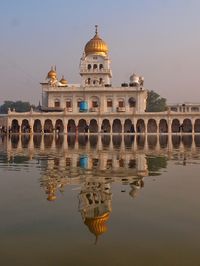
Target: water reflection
(94, 163)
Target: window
(57, 103)
(95, 104)
(121, 103)
(89, 67)
(89, 80)
(78, 103)
(101, 66)
(68, 104)
(95, 57)
(132, 102)
(109, 103)
(195, 109)
(100, 81)
(94, 82)
(95, 66)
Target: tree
(19, 106)
(155, 103)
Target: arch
(100, 81)
(132, 102)
(151, 126)
(89, 81)
(82, 126)
(163, 127)
(59, 127)
(15, 126)
(121, 102)
(197, 125)
(187, 125)
(37, 126)
(89, 66)
(105, 127)
(48, 126)
(128, 126)
(95, 66)
(175, 126)
(140, 126)
(117, 126)
(25, 127)
(93, 127)
(71, 126)
(101, 66)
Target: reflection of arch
(37, 139)
(163, 127)
(93, 127)
(71, 126)
(128, 140)
(152, 141)
(175, 126)
(197, 125)
(25, 127)
(187, 125)
(14, 141)
(93, 141)
(48, 126)
(48, 140)
(140, 141)
(59, 126)
(25, 141)
(82, 126)
(140, 126)
(105, 139)
(128, 126)
(15, 126)
(187, 141)
(71, 141)
(105, 126)
(59, 139)
(163, 139)
(197, 140)
(37, 127)
(176, 140)
(117, 126)
(151, 126)
(117, 140)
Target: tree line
(155, 103)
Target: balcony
(121, 109)
(102, 71)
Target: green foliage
(155, 103)
(19, 106)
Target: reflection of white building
(96, 106)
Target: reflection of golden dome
(97, 225)
(63, 81)
(51, 197)
(96, 45)
(52, 74)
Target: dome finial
(96, 29)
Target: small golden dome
(52, 74)
(63, 81)
(96, 45)
(97, 225)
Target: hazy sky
(158, 39)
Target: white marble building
(95, 106)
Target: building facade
(95, 106)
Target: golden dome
(96, 45)
(97, 225)
(63, 81)
(52, 74)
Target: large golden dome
(96, 45)
(52, 74)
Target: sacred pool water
(100, 200)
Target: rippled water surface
(100, 200)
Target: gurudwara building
(95, 106)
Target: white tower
(95, 64)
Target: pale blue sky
(157, 39)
